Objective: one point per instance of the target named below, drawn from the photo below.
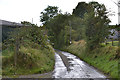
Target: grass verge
(103, 58)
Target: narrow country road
(69, 66)
(73, 67)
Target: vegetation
(80, 9)
(56, 25)
(90, 24)
(89, 21)
(59, 30)
(27, 51)
(115, 43)
(48, 13)
(105, 58)
(29, 61)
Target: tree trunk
(112, 42)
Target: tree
(48, 13)
(80, 9)
(15, 41)
(36, 35)
(25, 36)
(56, 26)
(78, 28)
(96, 23)
(57, 30)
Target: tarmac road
(69, 66)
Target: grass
(32, 59)
(103, 58)
(115, 43)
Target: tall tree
(58, 29)
(48, 13)
(80, 9)
(78, 28)
(96, 23)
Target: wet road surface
(68, 66)
(77, 68)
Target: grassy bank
(32, 59)
(103, 58)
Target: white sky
(25, 10)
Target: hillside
(30, 60)
(27, 51)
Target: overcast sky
(25, 10)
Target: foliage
(80, 9)
(20, 34)
(27, 49)
(48, 13)
(88, 20)
(78, 28)
(30, 60)
(104, 58)
(26, 23)
(59, 30)
(36, 35)
(117, 27)
(96, 23)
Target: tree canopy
(48, 13)
(89, 21)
